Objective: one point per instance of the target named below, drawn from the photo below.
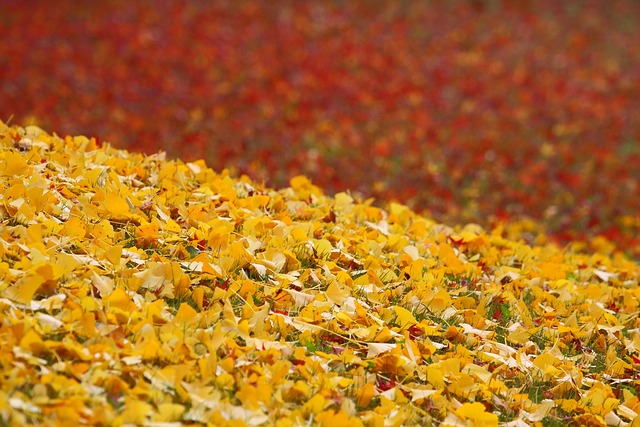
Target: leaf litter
(138, 290)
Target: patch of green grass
(536, 390)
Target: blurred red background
(470, 110)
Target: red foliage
(471, 110)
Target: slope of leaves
(137, 290)
(471, 110)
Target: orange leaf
(364, 395)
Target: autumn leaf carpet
(137, 290)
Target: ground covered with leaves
(145, 291)
(473, 110)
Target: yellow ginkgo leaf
(186, 315)
(314, 405)
(374, 349)
(118, 299)
(331, 418)
(13, 164)
(477, 412)
(32, 342)
(115, 205)
(168, 412)
(337, 293)
(136, 411)
(404, 317)
(23, 291)
(113, 255)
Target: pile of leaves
(472, 110)
(138, 290)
